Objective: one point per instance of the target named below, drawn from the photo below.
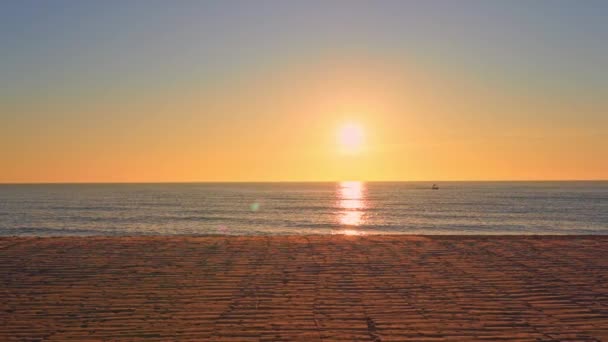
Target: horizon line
(309, 181)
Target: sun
(350, 138)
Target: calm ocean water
(305, 208)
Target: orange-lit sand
(351, 288)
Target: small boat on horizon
(434, 187)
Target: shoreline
(361, 234)
(305, 287)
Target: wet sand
(307, 288)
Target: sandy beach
(307, 288)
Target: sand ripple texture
(305, 288)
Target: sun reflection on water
(351, 202)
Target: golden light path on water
(351, 203)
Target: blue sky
(90, 38)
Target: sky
(163, 91)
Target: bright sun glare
(350, 138)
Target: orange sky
(417, 126)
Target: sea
(350, 208)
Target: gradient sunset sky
(146, 91)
